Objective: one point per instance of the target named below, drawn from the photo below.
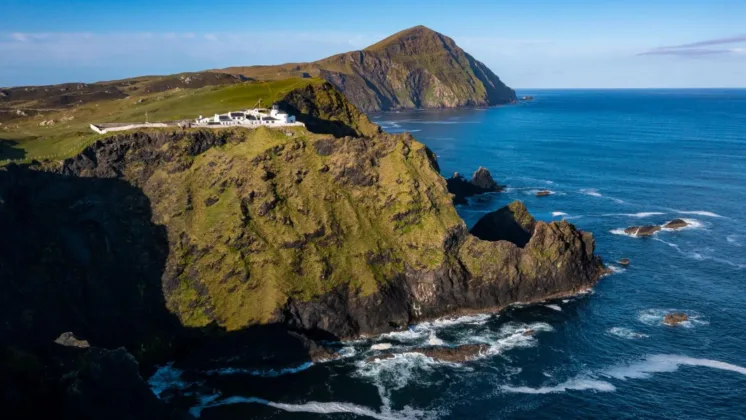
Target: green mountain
(415, 68)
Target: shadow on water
(83, 255)
(9, 150)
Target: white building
(249, 117)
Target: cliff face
(149, 238)
(415, 68)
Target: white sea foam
(591, 191)
(317, 408)
(433, 340)
(637, 215)
(555, 307)
(644, 369)
(700, 213)
(655, 317)
(559, 213)
(381, 346)
(667, 363)
(733, 240)
(626, 333)
(620, 231)
(578, 384)
(616, 269)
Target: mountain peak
(419, 34)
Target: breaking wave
(315, 407)
(554, 307)
(644, 369)
(700, 213)
(268, 373)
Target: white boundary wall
(104, 130)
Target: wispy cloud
(700, 48)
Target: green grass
(71, 133)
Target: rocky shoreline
(195, 245)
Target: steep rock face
(415, 68)
(512, 223)
(344, 235)
(324, 110)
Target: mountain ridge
(413, 68)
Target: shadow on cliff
(82, 255)
(8, 150)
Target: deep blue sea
(613, 158)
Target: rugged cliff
(155, 240)
(415, 68)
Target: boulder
(642, 230)
(543, 193)
(675, 318)
(529, 333)
(624, 261)
(676, 224)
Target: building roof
(237, 114)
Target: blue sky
(529, 43)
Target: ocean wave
(698, 256)
(559, 213)
(655, 317)
(317, 408)
(433, 340)
(268, 373)
(700, 213)
(626, 333)
(554, 307)
(591, 191)
(578, 384)
(620, 231)
(616, 269)
(167, 378)
(667, 363)
(639, 215)
(733, 240)
(644, 369)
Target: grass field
(25, 139)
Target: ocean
(613, 159)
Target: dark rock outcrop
(624, 261)
(543, 193)
(676, 224)
(675, 318)
(512, 223)
(457, 354)
(481, 182)
(642, 230)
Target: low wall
(103, 129)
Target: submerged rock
(456, 354)
(453, 354)
(676, 224)
(642, 230)
(624, 261)
(543, 193)
(675, 318)
(481, 182)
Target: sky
(528, 43)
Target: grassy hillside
(27, 134)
